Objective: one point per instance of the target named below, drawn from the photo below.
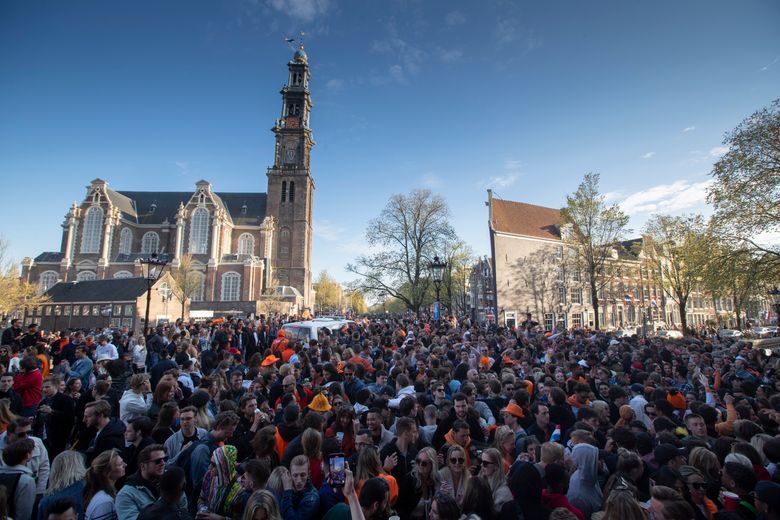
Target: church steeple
(290, 183)
(293, 133)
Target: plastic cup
(730, 501)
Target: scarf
(220, 485)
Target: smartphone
(337, 474)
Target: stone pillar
(179, 235)
(216, 232)
(70, 224)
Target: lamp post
(774, 294)
(437, 273)
(152, 271)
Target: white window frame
(125, 241)
(246, 244)
(199, 231)
(576, 319)
(549, 321)
(93, 229)
(86, 276)
(47, 280)
(230, 287)
(199, 296)
(576, 295)
(147, 246)
(121, 275)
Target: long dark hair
(167, 416)
(478, 498)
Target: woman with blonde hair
(492, 471)
(99, 490)
(66, 480)
(369, 466)
(454, 475)
(707, 463)
(275, 482)
(621, 505)
(418, 487)
(262, 505)
(6, 415)
(505, 444)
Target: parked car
(670, 334)
(308, 330)
(761, 332)
(729, 333)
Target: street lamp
(152, 271)
(774, 294)
(437, 273)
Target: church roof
(520, 218)
(49, 256)
(154, 207)
(109, 290)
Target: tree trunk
(182, 308)
(594, 300)
(737, 313)
(683, 316)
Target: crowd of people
(386, 417)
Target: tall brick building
(242, 244)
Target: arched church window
(150, 242)
(47, 280)
(125, 241)
(199, 286)
(292, 191)
(284, 243)
(284, 191)
(231, 287)
(246, 244)
(199, 231)
(93, 226)
(85, 276)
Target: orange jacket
(391, 482)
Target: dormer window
(153, 207)
(243, 209)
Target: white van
(308, 330)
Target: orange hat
(270, 360)
(513, 409)
(484, 361)
(280, 333)
(320, 403)
(677, 400)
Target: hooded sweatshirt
(584, 491)
(136, 494)
(24, 495)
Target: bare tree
(187, 281)
(16, 295)
(593, 228)
(679, 248)
(409, 232)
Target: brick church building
(242, 244)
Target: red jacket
(556, 500)
(29, 385)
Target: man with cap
(638, 404)
(32, 337)
(669, 455)
(513, 416)
(768, 500)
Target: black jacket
(112, 436)
(446, 425)
(16, 400)
(164, 510)
(9, 336)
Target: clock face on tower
(293, 122)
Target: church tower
(290, 184)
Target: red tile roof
(520, 218)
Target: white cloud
(396, 72)
(183, 167)
(506, 31)
(501, 181)
(667, 198)
(452, 56)
(431, 180)
(612, 195)
(303, 10)
(325, 230)
(334, 84)
(718, 151)
(768, 65)
(408, 57)
(648, 155)
(689, 129)
(454, 18)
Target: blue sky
(455, 96)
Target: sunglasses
(486, 462)
(701, 486)
(423, 463)
(456, 460)
(157, 461)
(347, 374)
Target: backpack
(10, 481)
(184, 461)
